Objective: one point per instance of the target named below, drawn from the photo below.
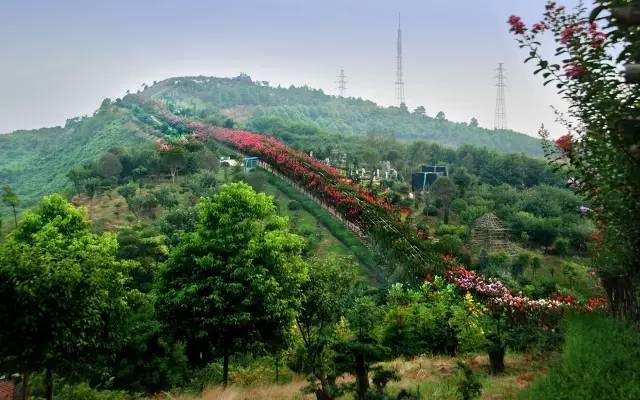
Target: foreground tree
(62, 292)
(325, 298)
(600, 153)
(235, 280)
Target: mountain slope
(35, 163)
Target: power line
(500, 118)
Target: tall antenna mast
(342, 83)
(399, 81)
(500, 119)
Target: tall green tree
(325, 299)
(11, 199)
(445, 190)
(63, 295)
(235, 280)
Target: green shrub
(449, 244)
(456, 230)
(600, 360)
(84, 392)
(561, 246)
(468, 384)
(293, 205)
(430, 211)
(520, 263)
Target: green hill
(258, 106)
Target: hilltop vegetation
(257, 105)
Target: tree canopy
(234, 281)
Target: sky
(61, 58)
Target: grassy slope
(36, 162)
(600, 360)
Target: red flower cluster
(323, 180)
(596, 304)
(517, 26)
(565, 143)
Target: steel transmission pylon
(342, 83)
(399, 80)
(500, 118)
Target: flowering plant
(601, 152)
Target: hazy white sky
(61, 58)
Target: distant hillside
(254, 103)
(36, 162)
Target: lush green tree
(601, 152)
(145, 244)
(462, 178)
(109, 165)
(165, 196)
(444, 190)
(174, 158)
(11, 199)
(361, 346)
(62, 291)
(177, 222)
(128, 191)
(235, 280)
(325, 298)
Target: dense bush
(83, 391)
(435, 319)
(600, 360)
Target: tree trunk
(362, 377)
(225, 365)
(49, 384)
(277, 368)
(622, 293)
(26, 375)
(446, 215)
(496, 359)
(321, 395)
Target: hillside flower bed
(497, 296)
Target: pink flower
(574, 71)
(517, 26)
(539, 27)
(566, 35)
